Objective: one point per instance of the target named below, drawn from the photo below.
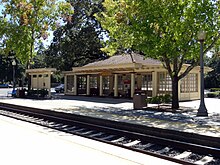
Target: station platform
(184, 119)
(25, 143)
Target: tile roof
(125, 59)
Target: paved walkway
(122, 110)
(25, 143)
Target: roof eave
(107, 67)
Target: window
(120, 82)
(70, 83)
(164, 82)
(81, 82)
(106, 81)
(93, 82)
(189, 83)
(147, 82)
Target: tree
(164, 30)
(39, 59)
(6, 69)
(24, 23)
(212, 79)
(79, 41)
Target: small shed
(41, 78)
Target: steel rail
(198, 148)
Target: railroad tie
(204, 160)
(132, 143)
(118, 140)
(183, 155)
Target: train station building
(123, 75)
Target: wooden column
(75, 84)
(116, 86)
(132, 84)
(65, 83)
(154, 84)
(139, 81)
(88, 85)
(100, 85)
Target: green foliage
(154, 100)
(215, 89)
(24, 23)
(79, 41)
(57, 78)
(6, 69)
(160, 99)
(159, 27)
(213, 94)
(167, 98)
(212, 79)
(164, 30)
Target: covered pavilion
(123, 75)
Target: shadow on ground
(106, 100)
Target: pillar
(88, 85)
(116, 86)
(132, 84)
(75, 84)
(65, 83)
(100, 85)
(139, 81)
(37, 81)
(154, 83)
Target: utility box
(139, 100)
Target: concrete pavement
(122, 110)
(24, 144)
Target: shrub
(154, 100)
(166, 98)
(212, 94)
(159, 99)
(214, 89)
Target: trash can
(139, 100)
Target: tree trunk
(175, 97)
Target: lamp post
(202, 111)
(13, 64)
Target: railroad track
(183, 148)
